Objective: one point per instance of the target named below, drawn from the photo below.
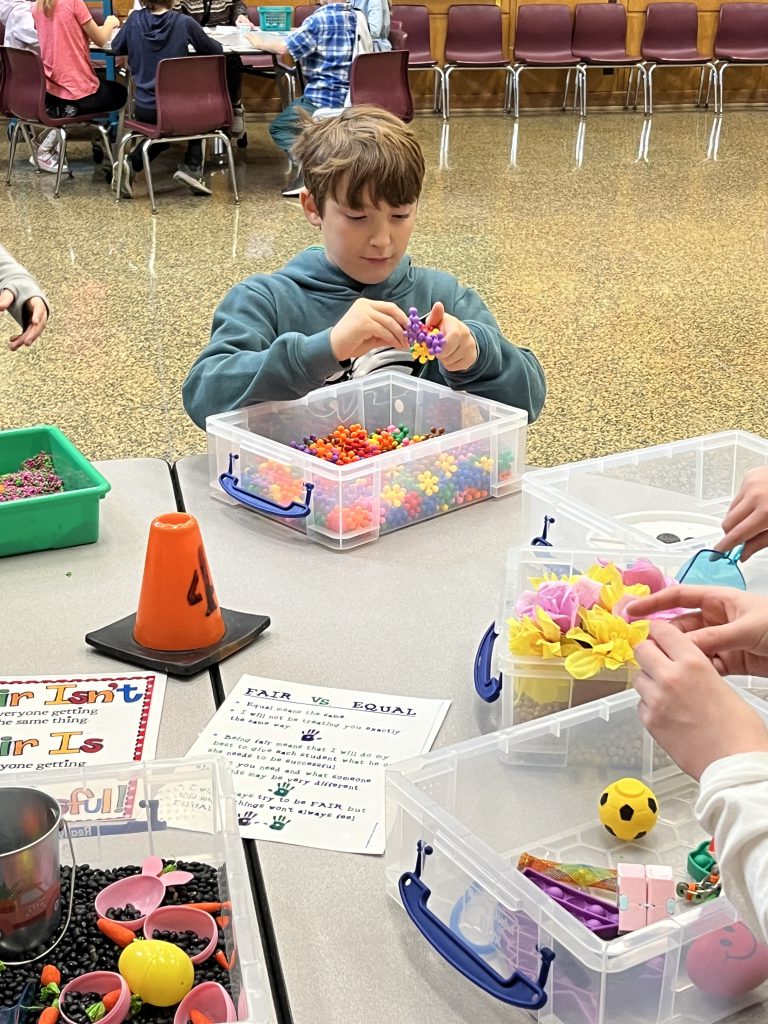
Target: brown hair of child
(362, 153)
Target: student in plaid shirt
(324, 44)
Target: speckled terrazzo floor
(636, 268)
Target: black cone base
(116, 641)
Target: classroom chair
(543, 42)
(600, 40)
(24, 97)
(192, 103)
(473, 43)
(398, 37)
(415, 22)
(669, 40)
(301, 12)
(741, 39)
(381, 78)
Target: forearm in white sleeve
(733, 809)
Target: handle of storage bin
(517, 990)
(293, 510)
(487, 686)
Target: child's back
(149, 37)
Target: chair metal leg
(637, 89)
(231, 160)
(629, 86)
(719, 75)
(701, 86)
(62, 161)
(648, 91)
(437, 106)
(12, 151)
(148, 173)
(517, 73)
(447, 92)
(581, 75)
(567, 86)
(107, 142)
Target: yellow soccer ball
(628, 809)
(159, 972)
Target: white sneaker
(48, 162)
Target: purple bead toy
(426, 342)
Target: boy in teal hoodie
(338, 313)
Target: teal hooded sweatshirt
(270, 338)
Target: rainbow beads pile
(353, 443)
(426, 342)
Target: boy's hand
(746, 521)
(460, 350)
(111, 22)
(35, 314)
(687, 708)
(243, 19)
(729, 627)
(366, 325)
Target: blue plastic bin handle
(488, 687)
(517, 990)
(293, 510)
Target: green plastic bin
(52, 520)
(275, 19)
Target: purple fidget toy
(417, 334)
(599, 916)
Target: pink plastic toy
(209, 998)
(145, 892)
(646, 895)
(154, 866)
(101, 982)
(180, 919)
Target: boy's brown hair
(363, 150)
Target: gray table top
(349, 954)
(103, 585)
(362, 619)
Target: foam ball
(628, 809)
(159, 972)
(727, 962)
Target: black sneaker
(293, 188)
(193, 178)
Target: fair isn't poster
(73, 722)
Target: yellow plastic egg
(159, 972)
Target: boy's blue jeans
(287, 127)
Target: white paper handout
(308, 761)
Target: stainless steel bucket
(30, 897)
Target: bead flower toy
(426, 342)
(35, 477)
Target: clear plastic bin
(480, 455)
(184, 809)
(533, 687)
(535, 788)
(630, 500)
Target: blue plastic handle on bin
(517, 990)
(293, 510)
(488, 687)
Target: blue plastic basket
(275, 19)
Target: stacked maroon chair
(398, 37)
(263, 65)
(742, 38)
(382, 79)
(670, 40)
(600, 40)
(473, 43)
(24, 98)
(543, 39)
(415, 22)
(192, 103)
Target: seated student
(20, 32)
(324, 44)
(379, 18)
(709, 729)
(23, 298)
(339, 312)
(149, 36)
(64, 28)
(209, 14)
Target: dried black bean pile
(84, 948)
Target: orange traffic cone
(179, 626)
(178, 610)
